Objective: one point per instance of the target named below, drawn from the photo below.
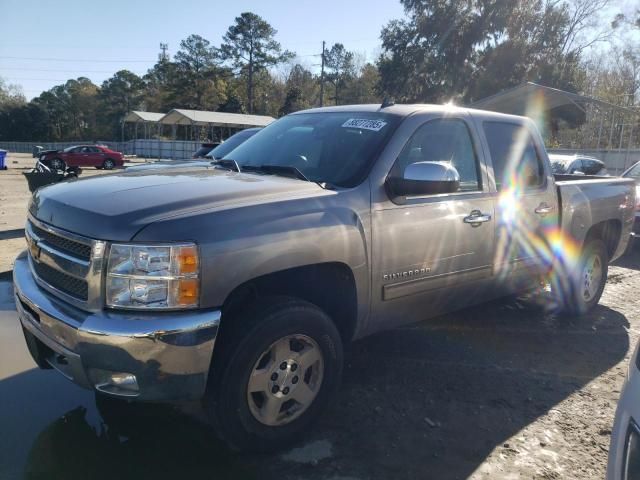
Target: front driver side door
(73, 158)
(87, 157)
(428, 255)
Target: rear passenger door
(527, 205)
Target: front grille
(61, 281)
(76, 249)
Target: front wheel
(108, 164)
(274, 377)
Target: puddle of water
(51, 428)
(311, 453)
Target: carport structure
(148, 120)
(604, 126)
(199, 125)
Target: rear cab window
(514, 156)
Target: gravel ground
(501, 390)
(14, 198)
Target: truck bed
(586, 200)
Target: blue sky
(51, 41)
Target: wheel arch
(609, 231)
(329, 286)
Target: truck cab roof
(406, 110)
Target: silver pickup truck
(239, 283)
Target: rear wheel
(108, 164)
(275, 375)
(589, 278)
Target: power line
(45, 79)
(76, 60)
(56, 70)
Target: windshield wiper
(282, 170)
(228, 164)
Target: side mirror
(425, 178)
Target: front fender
(243, 243)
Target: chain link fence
(163, 149)
(617, 161)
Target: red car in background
(97, 156)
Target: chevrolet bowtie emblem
(34, 248)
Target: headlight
(153, 276)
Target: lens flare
(525, 239)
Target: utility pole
(163, 57)
(322, 77)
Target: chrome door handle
(476, 217)
(543, 209)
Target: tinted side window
(444, 141)
(591, 167)
(577, 166)
(514, 155)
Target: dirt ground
(502, 390)
(14, 198)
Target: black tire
(58, 164)
(579, 301)
(108, 164)
(238, 352)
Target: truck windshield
(634, 172)
(333, 147)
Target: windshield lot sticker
(364, 124)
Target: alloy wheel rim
(591, 277)
(285, 380)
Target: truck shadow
(427, 401)
(436, 399)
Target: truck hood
(117, 206)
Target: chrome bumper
(168, 352)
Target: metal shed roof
(180, 116)
(138, 116)
(517, 100)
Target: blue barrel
(3, 155)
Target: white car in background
(577, 165)
(624, 452)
